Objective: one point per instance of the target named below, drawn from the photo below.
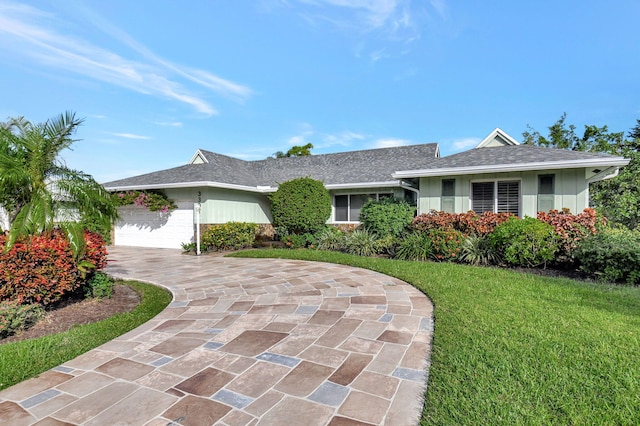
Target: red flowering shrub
(469, 223)
(572, 228)
(41, 268)
(446, 244)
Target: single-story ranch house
(498, 175)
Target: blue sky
(156, 80)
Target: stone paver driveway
(246, 342)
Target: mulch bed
(75, 312)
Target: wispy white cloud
(131, 136)
(464, 143)
(169, 123)
(389, 143)
(377, 21)
(36, 35)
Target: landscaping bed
(74, 312)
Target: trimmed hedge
(301, 205)
(41, 269)
(229, 236)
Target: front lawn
(512, 348)
(28, 358)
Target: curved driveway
(246, 342)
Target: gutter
(514, 167)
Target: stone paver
(246, 342)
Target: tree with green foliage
(295, 151)
(593, 139)
(617, 198)
(301, 205)
(38, 191)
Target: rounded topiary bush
(526, 242)
(301, 205)
(389, 216)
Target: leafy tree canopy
(618, 198)
(38, 191)
(295, 151)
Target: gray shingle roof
(518, 154)
(366, 166)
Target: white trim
(198, 154)
(259, 189)
(387, 184)
(607, 173)
(513, 167)
(497, 132)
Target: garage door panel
(142, 228)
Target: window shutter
(482, 197)
(509, 197)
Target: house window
(546, 191)
(347, 207)
(497, 197)
(447, 200)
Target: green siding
(571, 190)
(226, 205)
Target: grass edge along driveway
(512, 348)
(25, 359)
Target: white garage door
(141, 228)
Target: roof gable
(497, 137)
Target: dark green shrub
(415, 246)
(301, 205)
(611, 255)
(446, 244)
(296, 241)
(387, 245)
(389, 216)
(361, 243)
(332, 239)
(15, 317)
(229, 236)
(477, 250)
(526, 242)
(99, 286)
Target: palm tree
(38, 191)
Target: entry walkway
(246, 342)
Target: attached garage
(143, 228)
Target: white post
(197, 209)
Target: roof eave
(504, 168)
(197, 184)
(385, 184)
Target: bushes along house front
(42, 268)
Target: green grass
(519, 349)
(28, 358)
